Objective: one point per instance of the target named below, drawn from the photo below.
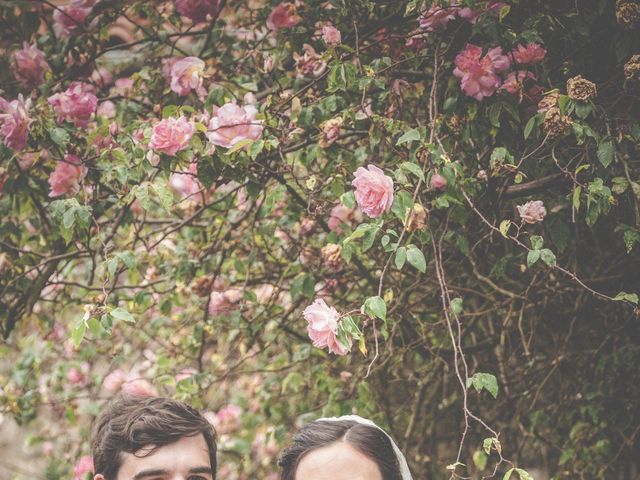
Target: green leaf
(576, 197)
(77, 334)
(494, 114)
(240, 145)
(256, 149)
(348, 199)
(375, 307)
(95, 327)
(532, 257)
(59, 136)
(122, 314)
(536, 242)
(504, 228)
(415, 257)
(548, 257)
(480, 459)
(69, 218)
(629, 297)
(401, 257)
(606, 153)
(414, 169)
(485, 381)
(409, 136)
(528, 128)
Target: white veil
(404, 468)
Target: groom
(152, 438)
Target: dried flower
(330, 131)
(627, 14)
(416, 219)
(581, 89)
(632, 68)
(532, 211)
(331, 256)
(202, 286)
(555, 123)
(550, 100)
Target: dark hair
(369, 440)
(131, 422)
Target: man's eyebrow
(149, 473)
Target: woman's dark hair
(130, 423)
(368, 440)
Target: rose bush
(424, 212)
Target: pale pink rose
(79, 376)
(185, 374)
(186, 75)
(75, 104)
(171, 135)
(83, 467)
(478, 73)
(232, 124)
(197, 10)
(139, 387)
(322, 327)
(284, 15)
(101, 77)
(515, 81)
(107, 109)
(471, 14)
(330, 131)
(339, 214)
(228, 419)
(307, 225)
(437, 17)
(532, 211)
(29, 65)
(186, 182)
(309, 64)
(438, 182)
(374, 190)
(67, 176)
(113, 382)
(15, 121)
(532, 53)
(167, 65)
(122, 86)
(69, 19)
(224, 302)
(331, 35)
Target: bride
(343, 448)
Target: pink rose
(75, 104)
(197, 10)
(322, 327)
(113, 382)
(186, 75)
(82, 467)
(227, 419)
(478, 73)
(532, 53)
(139, 387)
(79, 376)
(224, 302)
(186, 182)
(437, 17)
(374, 190)
(69, 19)
(107, 109)
(29, 65)
(339, 214)
(232, 124)
(15, 122)
(171, 135)
(284, 15)
(515, 81)
(67, 176)
(438, 182)
(471, 14)
(532, 212)
(309, 64)
(101, 77)
(331, 35)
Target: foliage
(149, 246)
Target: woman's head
(333, 450)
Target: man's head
(152, 438)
